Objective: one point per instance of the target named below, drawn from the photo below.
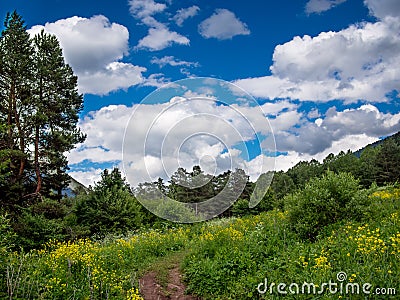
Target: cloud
(105, 127)
(88, 44)
(359, 62)
(182, 133)
(143, 9)
(172, 61)
(222, 25)
(383, 8)
(156, 80)
(318, 6)
(366, 119)
(313, 113)
(93, 47)
(291, 158)
(87, 177)
(187, 73)
(335, 133)
(313, 138)
(349, 142)
(113, 77)
(161, 38)
(185, 13)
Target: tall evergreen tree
(201, 187)
(179, 188)
(368, 170)
(39, 111)
(303, 171)
(110, 206)
(388, 161)
(57, 105)
(15, 97)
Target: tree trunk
(37, 167)
(9, 119)
(21, 143)
(21, 136)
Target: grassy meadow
(221, 259)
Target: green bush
(41, 222)
(324, 201)
(176, 211)
(7, 235)
(109, 207)
(112, 211)
(241, 207)
(33, 230)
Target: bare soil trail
(164, 281)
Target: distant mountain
(73, 187)
(395, 137)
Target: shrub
(324, 201)
(109, 207)
(177, 212)
(7, 235)
(111, 211)
(33, 230)
(39, 223)
(241, 207)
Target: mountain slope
(395, 137)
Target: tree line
(377, 163)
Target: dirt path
(151, 289)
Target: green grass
(220, 259)
(228, 265)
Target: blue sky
(325, 74)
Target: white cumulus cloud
(94, 47)
(88, 44)
(313, 138)
(348, 142)
(359, 62)
(222, 25)
(145, 8)
(175, 134)
(162, 137)
(114, 76)
(160, 38)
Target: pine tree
(368, 170)
(57, 104)
(39, 111)
(179, 188)
(15, 81)
(388, 161)
(110, 206)
(201, 187)
(282, 184)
